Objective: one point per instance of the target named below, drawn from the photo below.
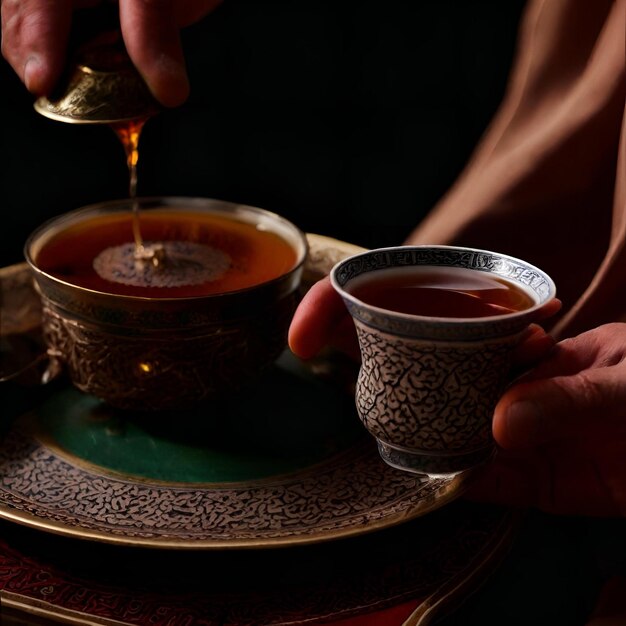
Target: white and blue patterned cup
(428, 386)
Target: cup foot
(432, 464)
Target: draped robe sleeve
(547, 182)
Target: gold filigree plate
(350, 492)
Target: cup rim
(442, 321)
(187, 202)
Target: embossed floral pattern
(166, 369)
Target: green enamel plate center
(286, 422)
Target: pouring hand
(35, 35)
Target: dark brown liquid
(440, 292)
(255, 255)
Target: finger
(535, 345)
(316, 320)
(34, 40)
(600, 347)
(591, 401)
(153, 42)
(551, 308)
(344, 338)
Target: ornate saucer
(302, 470)
(79, 471)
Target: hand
(322, 320)
(562, 431)
(561, 427)
(35, 35)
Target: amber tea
(129, 133)
(454, 292)
(204, 254)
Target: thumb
(34, 40)
(321, 320)
(536, 412)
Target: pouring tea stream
(103, 87)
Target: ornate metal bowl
(166, 353)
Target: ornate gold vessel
(102, 86)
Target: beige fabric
(548, 181)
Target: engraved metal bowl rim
(468, 322)
(187, 202)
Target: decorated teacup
(434, 366)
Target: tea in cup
(203, 314)
(437, 326)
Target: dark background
(350, 118)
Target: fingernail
(32, 74)
(523, 423)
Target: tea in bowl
(203, 313)
(437, 326)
